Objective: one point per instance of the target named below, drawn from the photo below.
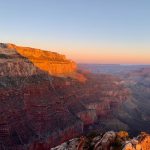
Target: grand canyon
(47, 99)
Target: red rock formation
(39, 110)
(51, 62)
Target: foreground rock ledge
(109, 141)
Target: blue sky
(92, 31)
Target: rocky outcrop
(109, 141)
(70, 145)
(142, 142)
(106, 141)
(51, 62)
(99, 142)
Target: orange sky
(111, 58)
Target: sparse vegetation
(3, 56)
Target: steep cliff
(51, 62)
(43, 105)
(30, 106)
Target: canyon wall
(40, 107)
(51, 62)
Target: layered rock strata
(42, 102)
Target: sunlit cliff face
(53, 63)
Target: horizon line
(114, 64)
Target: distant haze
(99, 31)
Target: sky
(86, 31)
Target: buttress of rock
(51, 62)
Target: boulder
(106, 141)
